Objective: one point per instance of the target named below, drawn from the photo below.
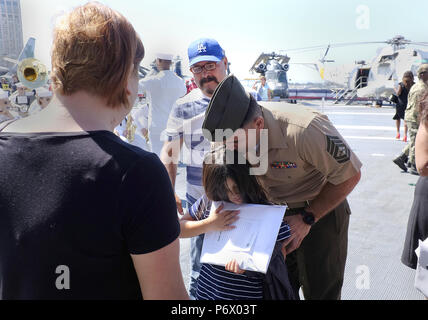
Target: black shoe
(413, 170)
(408, 164)
(401, 162)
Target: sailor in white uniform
(5, 115)
(43, 98)
(162, 91)
(130, 129)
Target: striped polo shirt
(215, 283)
(185, 121)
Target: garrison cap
(423, 68)
(227, 109)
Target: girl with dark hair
(227, 181)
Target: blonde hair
(94, 49)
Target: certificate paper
(251, 243)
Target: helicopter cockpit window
(274, 66)
(282, 77)
(271, 76)
(388, 58)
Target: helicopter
(274, 67)
(374, 80)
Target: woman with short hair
(84, 215)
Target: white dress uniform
(4, 96)
(162, 91)
(40, 93)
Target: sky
(246, 28)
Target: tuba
(32, 74)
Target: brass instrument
(32, 74)
(130, 129)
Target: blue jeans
(195, 255)
(195, 259)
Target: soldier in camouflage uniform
(411, 118)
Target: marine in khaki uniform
(411, 118)
(310, 168)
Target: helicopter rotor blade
(334, 45)
(322, 60)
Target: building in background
(11, 37)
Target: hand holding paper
(251, 243)
(220, 220)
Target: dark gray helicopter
(274, 67)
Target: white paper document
(22, 100)
(251, 243)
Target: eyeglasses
(208, 67)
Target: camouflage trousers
(409, 150)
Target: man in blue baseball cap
(209, 65)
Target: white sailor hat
(19, 85)
(3, 94)
(164, 56)
(43, 93)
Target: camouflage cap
(227, 109)
(423, 68)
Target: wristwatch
(307, 217)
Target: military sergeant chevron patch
(338, 149)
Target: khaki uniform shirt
(305, 151)
(415, 94)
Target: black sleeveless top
(402, 98)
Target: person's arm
(159, 274)
(421, 149)
(170, 155)
(327, 200)
(217, 221)
(151, 228)
(331, 196)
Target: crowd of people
(18, 101)
(76, 194)
(409, 95)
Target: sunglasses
(208, 67)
